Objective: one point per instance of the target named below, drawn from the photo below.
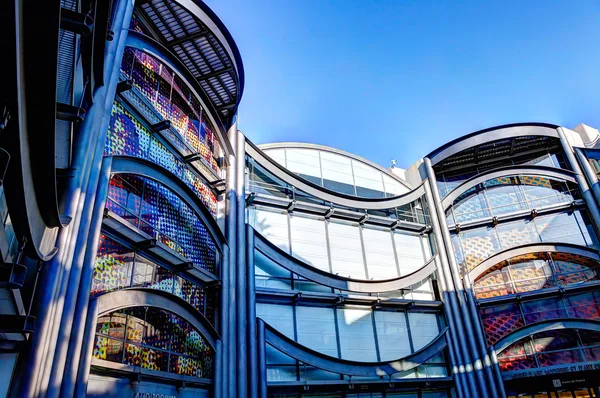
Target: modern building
(150, 249)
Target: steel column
(253, 373)
(241, 345)
(583, 185)
(224, 323)
(80, 322)
(262, 359)
(217, 390)
(589, 173)
(87, 349)
(89, 211)
(230, 288)
(476, 340)
(457, 335)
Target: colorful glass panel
(119, 267)
(173, 100)
(156, 340)
(550, 348)
(112, 269)
(127, 136)
(535, 271)
(163, 215)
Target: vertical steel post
(216, 387)
(262, 359)
(80, 322)
(450, 305)
(475, 341)
(241, 345)
(87, 349)
(253, 374)
(589, 173)
(592, 206)
(89, 210)
(230, 288)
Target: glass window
(154, 339)
(423, 328)
(564, 228)
(316, 329)
(309, 241)
(410, 252)
(112, 269)
(159, 212)
(478, 245)
(504, 195)
(272, 225)
(127, 136)
(346, 250)
(517, 233)
(500, 320)
(357, 339)
(392, 334)
(379, 251)
(281, 317)
(305, 163)
(369, 183)
(269, 274)
(541, 310)
(277, 155)
(111, 274)
(471, 205)
(337, 173)
(393, 187)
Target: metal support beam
(241, 345)
(589, 173)
(583, 184)
(253, 374)
(468, 312)
(465, 366)
(262, 358)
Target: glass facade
(171, 303)
(449, 180)
(119, 267)
(534, 272)
(557, 347)
(172, 99)
(338, 172)
(153, 339)
(160, 213)
(344, 249)
(355, 333)
(506, 195)
(476, 245)
(261, 181)
(128, 136)
(501, 320)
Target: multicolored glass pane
(173, 100)
(156, 340)
(127, 136)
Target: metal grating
(197, 48)
(489, 153)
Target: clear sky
(395, 79)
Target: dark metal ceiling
(198, 48)
(488, 154)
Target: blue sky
(395, 79)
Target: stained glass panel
(160, 213)
(155, 340)
(127, 136)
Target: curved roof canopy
(195, 35)
(488, 145)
